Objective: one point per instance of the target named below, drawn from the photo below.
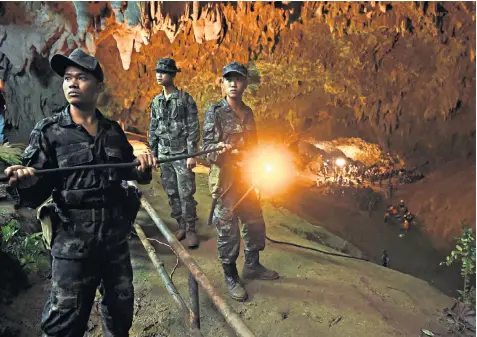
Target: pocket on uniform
(214, 181)
(62, 300)
(114, 155)
(74, 154)
(177, 113)
(223, 227)
(232, 128)
(234, 133)
(61, 312)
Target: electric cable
(316, 249)
(168, 246)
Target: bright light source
(340, 162)
(270, 167)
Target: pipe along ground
(231, 317)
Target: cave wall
(398, 74)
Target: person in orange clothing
(405, 226)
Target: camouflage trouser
(226, 222)
(74, 284)
(179, 184)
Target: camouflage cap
(167, 65)
(234, 67)
(77, 58)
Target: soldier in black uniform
(231, 124)
(90, 246)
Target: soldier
(89, 244)
(174, 130)
(230, 123)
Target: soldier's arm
(153, 138)
(211, 135)
(38, 155)
(192, 125)
(128, 153)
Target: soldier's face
(81, 87)
(164, 78)
(234, 85)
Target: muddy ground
(314, 290)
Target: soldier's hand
(225, 147)
(146, 161)
(21, 176)
(191, 162)
(154, 162)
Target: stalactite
(132, 14)
(117, 9)
(82, 15)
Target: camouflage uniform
(228, 184)
(174, 130)
(90, 247)
(222, 124)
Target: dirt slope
(314, 289)
(444, 199)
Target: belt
(86, 215)
(171, 142)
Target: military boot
(253, 270)
(192, 240)
(232, 280)
(181, 232)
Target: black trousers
(74, 283)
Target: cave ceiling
(399, 74)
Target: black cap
(77, 58)
(234, 67)
(167, 65)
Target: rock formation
(398, 74)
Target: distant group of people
(381, 173)
(399, 214)
(355, 174)
(346, 175)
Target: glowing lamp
(270, 168)
(340, 162)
